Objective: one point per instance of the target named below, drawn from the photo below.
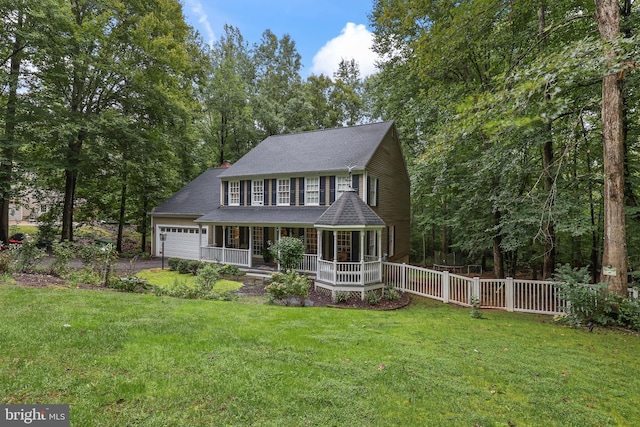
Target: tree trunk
(143, 223)
(444, 247)
(71, 179)
(121, 216)
(614, 255)
(548, 227)
(498, 258)
(9, 143)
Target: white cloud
(354, 42)
(197, 8)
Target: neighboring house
(343, 191)
(28, 209)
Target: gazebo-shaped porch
(358, 266)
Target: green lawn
(168, 279)
(138, 360)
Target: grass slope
(140, 360)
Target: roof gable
(317, 151)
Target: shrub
(183, 266)
(341, 296)
(372, 297)
(288, 251)
(27, 255)
(290, 284)
(585, 303)
(230, 270)
(129, 284)
(629, 314)
(207, 276)
(392, 294)
(88, 254)
(85, 275)
(173, 263)
(6, 261)
(63, 253)
(475, 308)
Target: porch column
(362, 278)
(379, 248)
(200, 242)
(224, 243)
(250, 246)
(279, 231)
(319, 245)
(335, 257)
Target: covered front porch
(343, 243)
(358, 260)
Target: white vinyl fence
(529, 296)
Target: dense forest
(518, 119)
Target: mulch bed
(316, 298)
(320, 298)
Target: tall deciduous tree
(511, 95)
(227, 123)
(614, 255)
(278, 83)
(104, 54)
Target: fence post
(475, 290)
(509, 294)
(445, 286)
(403, 276)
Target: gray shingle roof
(318, 151)
(283, 215)
(349, 210)
(200, 196)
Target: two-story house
(343, 191)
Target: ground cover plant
(137, 359)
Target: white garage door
(181, 242)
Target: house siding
(393, 196)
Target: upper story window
(283, 192)
(234, 193)
(257, 193)
(343, 184)
(312, 191)
(373, 192)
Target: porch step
(257, 277)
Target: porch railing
(239, 257)
(309, 263)
(349, 273)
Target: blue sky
(324, 30)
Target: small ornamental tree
(288, 251)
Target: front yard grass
(167, 279)
(141, 360)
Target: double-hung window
(373, 191)
(257, 193)
(312, 191)
(234, 193)
(283, 192)
(342, 184)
